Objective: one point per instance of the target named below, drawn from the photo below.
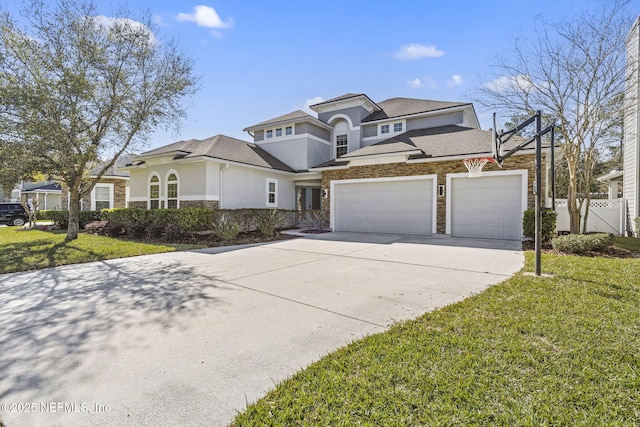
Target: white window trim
(159, 183)
(391, 125)
(93, 195)
(335, 144)
(272, 205)
(166, 193)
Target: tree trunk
(74, 218)
(572, 199)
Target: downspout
(221, 180)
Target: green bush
(61, 218)
(548, 223)
(226, 228)
(579, 243)
(268, 221)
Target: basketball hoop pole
(538, 192)
(502, 138)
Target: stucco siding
(293, 152)
(317, 153)
(355, 114)
(196, 181)
(247, 188)
(311, 129)
(369, 131)
(435, 121)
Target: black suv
(12, 213)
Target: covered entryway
(487, 207)
(399, 205)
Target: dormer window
(397, 127)
(384, 129)
(278, 132)
(270, 133)
(288, 130)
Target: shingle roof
(340, 98)
(224, 148)
(41, 186)
(295, 115)
(397, 107)
(442, 141)
(113, 170)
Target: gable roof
(345, 97)
(397, 107)
(294, 116)
(339, 98)
(113, 170)
(41, 186)
(220, 147)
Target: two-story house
(391, 167)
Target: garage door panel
(487, 207)
(386, 206)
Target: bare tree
(79, 88)
(575, 72)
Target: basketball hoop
(475, 165)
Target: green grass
(531, 351)
(631, 243)
(29, 250)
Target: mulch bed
(610, 252)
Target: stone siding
(441, 169)
(138, 205)
(209, 204)
(119, 194)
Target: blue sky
(261, 59)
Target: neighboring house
(112, 191)
(631, 168)
(390, 167)
(49, 194)
(614, 181)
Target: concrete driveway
(189, 338)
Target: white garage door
(384, 206)
(488, 207)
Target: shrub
(226, 228)
(268, 221)
(579, 243)
(548, 223)
(97, 227)
(637, 221)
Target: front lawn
(563, 350)
(29, 250)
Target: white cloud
(205, 16)
(507, 83)
(415, 83)
(410, 52)
(455, 80)
(311, 101)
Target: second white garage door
(398, 206)
(488, 207)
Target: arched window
(154, 192)
(341, 138)
(172, 191)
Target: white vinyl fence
(605, 216)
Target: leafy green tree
(79, 89)
(572, 71)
